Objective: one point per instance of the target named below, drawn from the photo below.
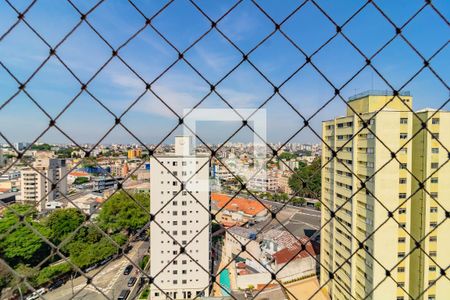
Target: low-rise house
(237, 211)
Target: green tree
(317, 205)
(287, 156)
(51, 272)
(42, 147)
(89, 246)
(81, 180)
(122, 213)
(20, 244)
(62, 222)
(310, 175)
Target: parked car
(131, 281)
(127, 270)
(56, 284)
(88, 269)
(36, 294)
(123, 295)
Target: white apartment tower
(36, 185)
(180, 233)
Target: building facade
(361, 243)
(180, 234)
(46, 183)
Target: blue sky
(148, 54)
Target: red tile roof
(248, 206)
(294, 252)
(79, 174)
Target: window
(435, 121)
(433, 253)
(403, 136)
(401, 254)
(401, 239)
(402, 166)
(435, 150)
(403, 120)
(434, 195)
(402, 195)
(402, 225)
(174, 163)
(434, 165)
(435, 136)
(434, 180)
(402, 211)
(433, 224)
(433, 209)
(433, 238)
(401, 269)
(402, 180)
(432, 268)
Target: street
(108, 279)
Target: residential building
(429, 205)
(180, 234)
(45, 182)
(102, 183)
(371, 209)
(134, 153)
(237, 211)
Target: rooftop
(377, 93)
(248, 206)
(295, 251)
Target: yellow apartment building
(134, 153)
(374, 160)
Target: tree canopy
(310, 174)
(122, 213)
(20, 243)
(62, 222)
(287, 156)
